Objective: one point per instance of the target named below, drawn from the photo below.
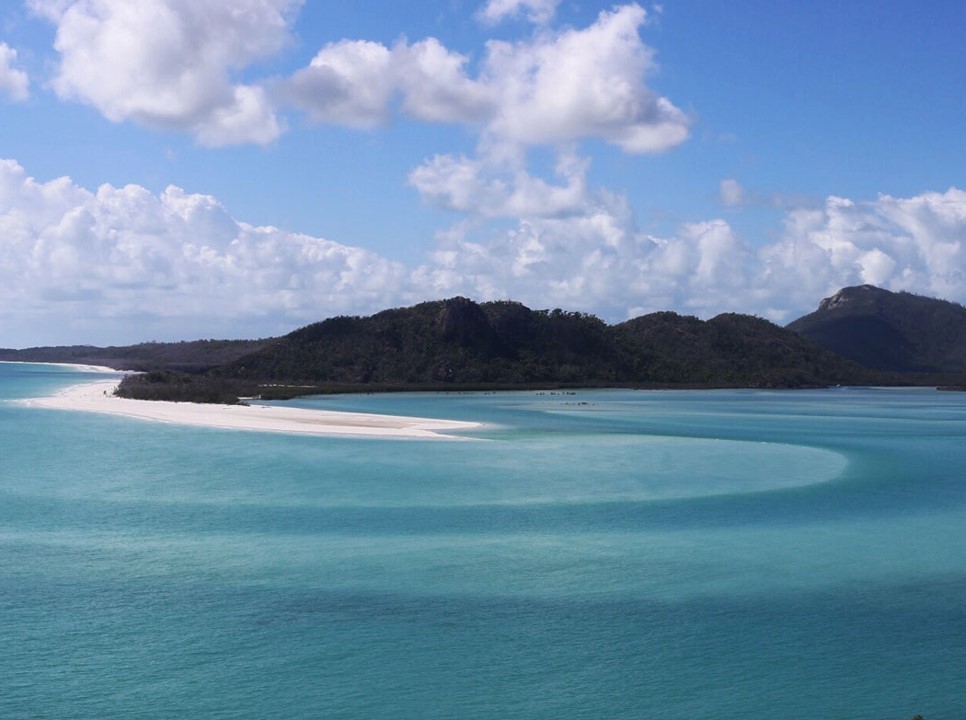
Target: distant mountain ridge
(189, 356)
(859, 336)
(458, 342)
(889, 331)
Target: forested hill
(193, 356)
(458, 342)
(898, 332)
(461, 344)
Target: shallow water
(606, 554)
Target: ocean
(607, 554)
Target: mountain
(454, 341)
(731, 350)
(461, 344)
(457, 342)
(883, 330)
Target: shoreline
(71, 366)
(98, 397)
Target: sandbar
(69, 366)
(98, 397)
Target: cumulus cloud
(553, 88)
(595, 261)
(169, 63)
(175, 64)
(349, 83)
(356, 83)
(493, 187)
(913, 244)
(179, 265)
(116, 253)
(583, 83)
(595, 258)
(13, 82)
(569, 244)
(435, 85)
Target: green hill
(450, 342)
(731, 350)
(193, 356)
(897, 332)
(458, 343)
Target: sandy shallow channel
(98, 397)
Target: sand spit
(98, 397)
(68, 366)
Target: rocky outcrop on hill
(883, 330)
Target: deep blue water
(607, 554)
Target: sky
(176, 169)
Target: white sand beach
(98, 397)
(69, 366)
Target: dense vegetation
(898, 332)
(451, 342)
(458, 344)
(731, 350)
(185, 387)
(195, 356)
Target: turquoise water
(607, 554)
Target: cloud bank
(111, 259)
(114, 261)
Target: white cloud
(169, 63)
(914, 244)
(435, 85)
(539, 12)
(348, 83)
(583, 83)
(355, 83)
(13, 82)
(596, 259)
(127, 261)
(493, 187)
(176, 64)
(106, 257)
(248, 118)
(555, 88)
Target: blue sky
(237, 168)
